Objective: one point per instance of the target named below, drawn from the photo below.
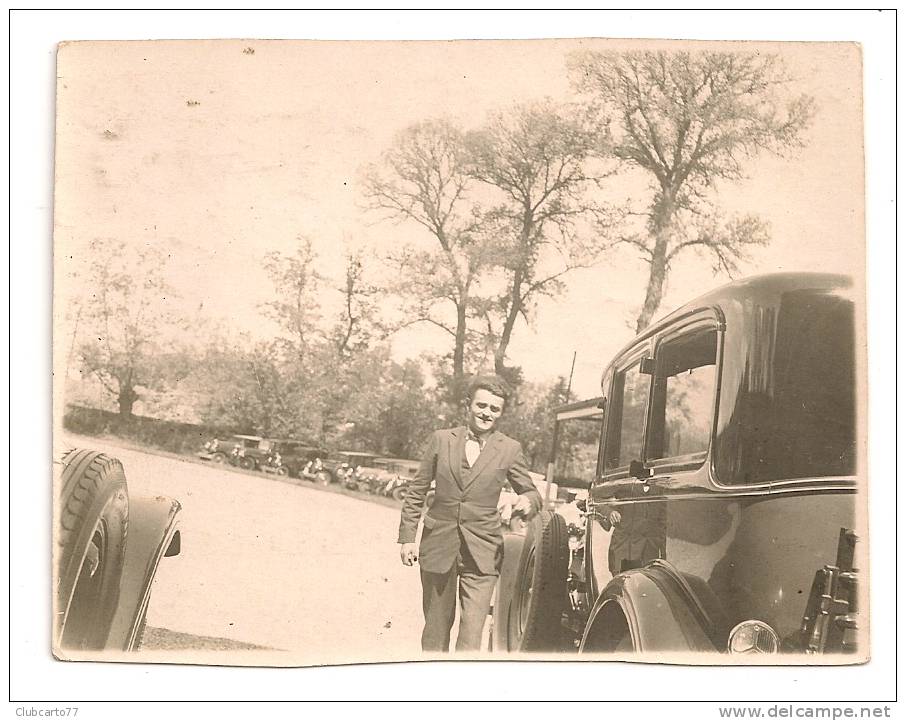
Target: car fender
(153, 533)
(659, 608)
(513, 541)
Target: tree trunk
(507, 333)
(126, 400)
(528, 224)
(459, 350)
(661, 220)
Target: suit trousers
(439, 594)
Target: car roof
(249, 438)
(771, 284)
(591, 408)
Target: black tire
(282, 471)
(324, 478)
(91, 546)
(539, 595)
(398, 494)
(247, 463)
(219, 458)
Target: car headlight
(753, 637)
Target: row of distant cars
(356, 470)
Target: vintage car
(293, 455)
(230, 449)
(397, 474)
(721, 514)
(247, 452)
(340, 466)
(104, 574)
(371, 479)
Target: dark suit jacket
(464, 508)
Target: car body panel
(658, 609)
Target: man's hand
(614, 517)
(523, 507)
(408, 554)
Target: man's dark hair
(494, 384)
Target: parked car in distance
(722, 509)
(215, 450)
(342, 464)
(399, 471)
(246, 452)
(371, 479)
(405, 468)
(226, 449)
(294, 455)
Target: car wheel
(539, 595)
(282, 471)
(219, 458)
(324, 478)
(247, 463)
(398, 494)
(91, 545)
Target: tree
(126, 315)
(425, 180)
(297, 285)
(539, 157)
(246, 388)
(358, 322)
(390, 410)
(689, 121)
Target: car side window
(626, 417)
(682, 405)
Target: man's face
(484, 411)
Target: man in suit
(462, 540)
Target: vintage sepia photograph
(467, 350)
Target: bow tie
(478, 439)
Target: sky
(221, 151)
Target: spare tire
(539, 594)
(91, 545)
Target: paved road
(272, 564)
